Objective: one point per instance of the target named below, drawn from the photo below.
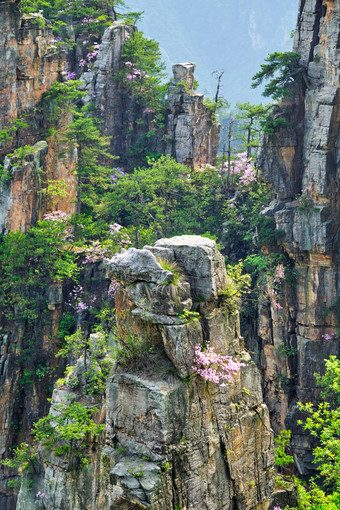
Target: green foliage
(21, 153)
(189, 315)
(282, 69)
(137, 472)
(214, 106)
(93, 351)
(281, 446)
(245, 228)
(237, 285)
(90, 16)
(7, 134)
(69, 425)
(287, 350)
(155, 200)
(59, 101)
(29, 262)
(270, 124)
(93, 177)
(55, 191)
(131, 349)
(250, 126)
(315, 498)
(143, 74)
(166, 466)
(323, 423)
(24, 457)
(173, 267)
(145, 54)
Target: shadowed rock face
(170, 442)
(302, 162)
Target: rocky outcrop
(30, 63)
(173, 440)
(189, 134)
(302, 162)
(191, 125)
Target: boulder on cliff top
(201, 262)
(137, 265)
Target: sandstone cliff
(302, 162)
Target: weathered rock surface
(195, 136)
(302, 162)
(23, 198)
(172, 443)
(29, 64)
(201, 262)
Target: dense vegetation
(132, 206)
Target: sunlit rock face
(172, 439)
(29, 63)
(302, 162)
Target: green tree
(144, 74)
(91, 16)
(93, 177)
(30, 261)
(249, 125)
(159, 198)
(282, 70)
(323, 422)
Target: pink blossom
(113, 287)
(329, 336)
(217, 368)
(56, 216)
(279, 273)
(115, 228)
(241, 166)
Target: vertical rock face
(302, 161)
(23, 198)
(29, 64)
(172, 439)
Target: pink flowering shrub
(60, 222)
(56, 216)
(94, 252)
(329, 336)
(242, 168)
(215, 367)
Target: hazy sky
(220, 34)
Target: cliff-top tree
(89, 18)
(281, 69)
